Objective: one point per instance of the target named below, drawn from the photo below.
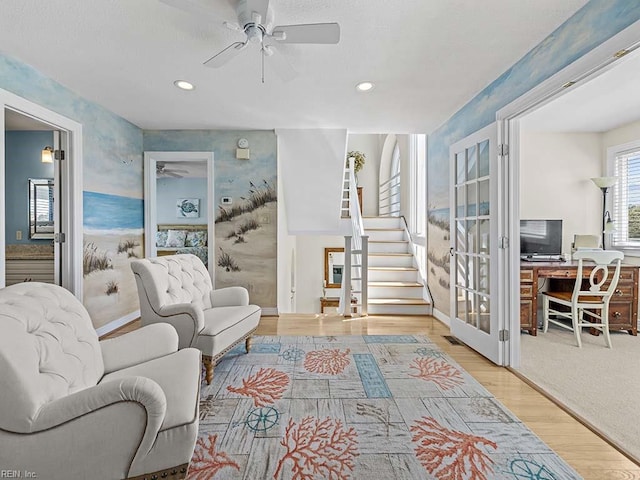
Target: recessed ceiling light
(364, 86)
(184, 85)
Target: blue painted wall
(112, 149)
(254, 252)
(23, 151)
(169, 190)
(593, 24)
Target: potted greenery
(358, 161)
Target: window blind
(626, 199)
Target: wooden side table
(332, 302)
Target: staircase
(394, 285)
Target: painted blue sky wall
(252, 252)
(112, 169)
(595, 23)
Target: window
(624, 163)
(418, 186)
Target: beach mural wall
(112, 190)
(596, 22)
(246, 230)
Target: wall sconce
(604, 184)
(47, 155)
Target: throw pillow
(176, 238)
(161, 238)
(196, 239)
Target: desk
(623, 307)
(332, 302)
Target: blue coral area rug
(359, 407)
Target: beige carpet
(599, 384)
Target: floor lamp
(604, 184)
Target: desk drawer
(620, 316)
(526, 291)
(557, 272)
(526, 276)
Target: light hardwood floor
(591, 456)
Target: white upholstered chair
(589, 298)
(72, 407)
(177, 289)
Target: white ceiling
(426, 57)
(599, 105)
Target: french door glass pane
(461, 304)
(484, 236)
(471, 199)
(461, 236)
(472, 244)
(472, 163)
(484, 274)
(461, 167)
(484, 197)
(472, 310)
(461, 270)
(484, 312)
(483, 159)
(460, 201)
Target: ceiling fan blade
(194, 7)
(171, 174)
(260, 7)
(225, 55)
(308, 33)
(279, 63)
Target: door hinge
(59, 238)
(503, 243)
(59, 154)
(503, 335)
(503, 149)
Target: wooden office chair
(588, 296)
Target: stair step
(388, 241)
(391, 269)
(398, 301)
(395, 284)
(390, 254)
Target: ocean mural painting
(113, 236)
(593, 24)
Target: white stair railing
(356, 253)
(389, 197)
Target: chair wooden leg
(247, 344)
(208, 366)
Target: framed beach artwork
(188, 208)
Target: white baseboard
(442, 317)
(115, 324)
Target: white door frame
(150, 216)
(589, 66)
(71, 201)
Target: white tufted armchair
(72, 407)
(177, 289)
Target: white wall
(405, 202)
(310, 270)
(618, 136)
(555, 181)
(368, 177)
(311, 171)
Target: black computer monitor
(540, 237)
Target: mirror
(333, 266)
(41, 218)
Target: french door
(474, 186)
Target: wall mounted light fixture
(604, 184)
(47, 155)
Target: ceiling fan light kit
(255, 20)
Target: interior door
(474, 246)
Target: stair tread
(391, 254)
(384, 229)
(394, 284)
(391, 269)
(388, 241)
(398, 301)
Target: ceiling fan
(163, 171)
(255, 20)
